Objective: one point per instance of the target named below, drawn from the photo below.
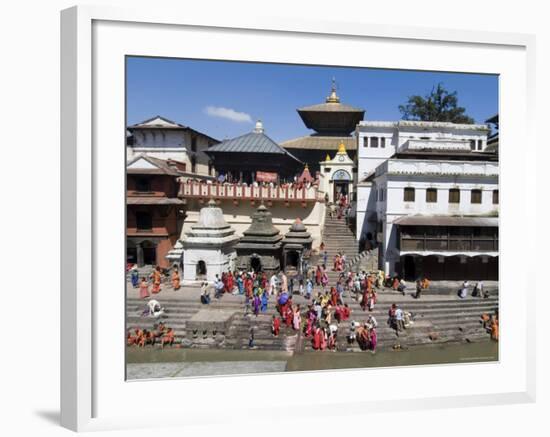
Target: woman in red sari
(333, 297)
(275, 325)
(318, 275)
(316, 340)
(323, 344)
(230, 283)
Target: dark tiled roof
(320, 142)
(253, 142)
(331, 107)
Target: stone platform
(211, 319)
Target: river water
(259, 361)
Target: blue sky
(224, 99)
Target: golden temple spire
(328, 158)
(342, 149)
(333, 98)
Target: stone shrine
(296, 246)
(209, 247)
(260, 246)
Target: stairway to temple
(338, 237)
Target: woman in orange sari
(175, 278)
(156, 280)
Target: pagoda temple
(296, 246)
(254, 157)
(333, 122)
(260, 247)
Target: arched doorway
(256, 264)
(201, 269)
(340, 181)
(149, 252)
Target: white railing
(243, 192)
(458, 168)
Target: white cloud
(228, 113)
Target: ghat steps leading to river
(446, 320)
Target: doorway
(256, 264)
(340, 188)
(292, 260)
(409, 268)
(149, 253)
(201, 269)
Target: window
(366, 142)
(143, 184)
(479, 144)
(472, 144)
(193, 164)
(431, 195)
(382, 142)
(408, 194)
(374, 142)
(144, 221)
(454, 195)
(495, 197)
(476, 196)
(193, 144)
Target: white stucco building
(427, 196)
(165, 139)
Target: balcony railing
(242, 192)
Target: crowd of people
(153, 283)
(321, 319)
(290, 183)
(160, 334)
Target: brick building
(154, 214)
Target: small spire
(333, 98)
(259, 128)
(328, 158)
(342, 149)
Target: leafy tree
(439, 105)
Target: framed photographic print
(270, 203)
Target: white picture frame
(94, 394)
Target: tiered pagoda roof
(331, 117)
(298, 236)
(261, 234)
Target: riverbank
(179, 362)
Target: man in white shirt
(399, 319)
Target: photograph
(290, 217)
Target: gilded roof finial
(342, 148)
(333, 98)
(328, 158)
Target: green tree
(438, 105)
